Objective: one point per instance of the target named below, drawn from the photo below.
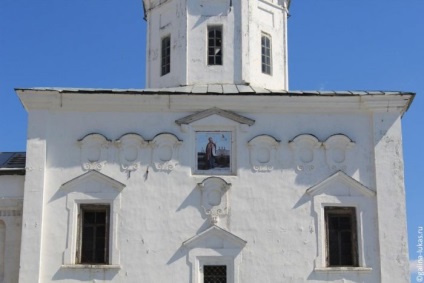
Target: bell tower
(201, 42)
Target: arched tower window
(166, 55)
(266, 52)
(214, 45)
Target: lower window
(93, 246)
(342, 243)
(214, 274)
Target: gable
(215, 111)
(340, 184)
(93, 181)
(215, 238)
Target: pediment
(93, 181)
(340, 184)
(215, 238)
(215, 111)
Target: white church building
(216, 172)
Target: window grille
(215, 274)
(94, 234)
(341, 236)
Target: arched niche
(336, 147)
(165, 149)
(94, 151)
(263, 153)
(130, 147)
(304, 147)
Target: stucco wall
(11, 194)
(242, 23)
(160, 209)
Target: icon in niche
(213, 150)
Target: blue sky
(333, 45)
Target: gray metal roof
(224, 90)
(12, 163)
(221, 89)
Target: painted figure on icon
(210, 153)
(213, 151)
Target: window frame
(350, 211)
(200, 253)
(228, 133)
(200, 128)
(165, 61)
(342, 190)
(214, 47)
(92, 187)
(93, 207)
(266, 53)
(363, 207)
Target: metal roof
(221, 89)
(224, 90)
(12, 163)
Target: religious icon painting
(213, 151)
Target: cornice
(128, 101)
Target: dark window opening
(266, 54)
(94, 234)
(215, 45)
(215, 274)
(166, 56)
(342, 248)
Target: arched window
(215, 45)
(166, 55)
(266, 54)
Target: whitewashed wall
(274, 210)
(242, 23)
(11, 195)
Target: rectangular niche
(266, 17)
(214, 152)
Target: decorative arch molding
(130, 151)
(336, 147)
(130, 147)
(304, 147)
(214, 198)
(94, 151)
(165, 151)
(262, 153)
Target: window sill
(343, 269)
(91, 266)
